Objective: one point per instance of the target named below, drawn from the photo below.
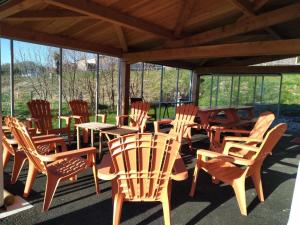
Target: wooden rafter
(244, 6)
(121, 37)
(250, 10)
(183, 16)
(248, 69)
(242, 26)
(14, 6)
(277, 47)
(101, 12)
(19, 33)
(47, 14)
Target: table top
(120, 131)
(96, 126)
(225, 108)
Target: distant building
(87, 64)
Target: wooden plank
(248, 69)
(242, 26)
(47, 14)
(19, 33)
(108, 14)
(121, 37)
(14, 6)
(260, 48)
(183, 16)
(243, 5)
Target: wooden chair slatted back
(5, 143)
(80, 108)
(269, 142)
(139, 111)
(262, 124)
(40, 109)
(185, 114)
(24, 140)
(143, 163)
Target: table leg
(100, 144)
(92, 137)
(78, 138)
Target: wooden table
(93, 126)
(115, 132)
(206, 114)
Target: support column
(195, 88)
(60, 87)
(97, 85)
(11, 80)
(1, 150)
(142, 81)
(124, 81)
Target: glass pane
(136, 80)
(184, 85)
(35, 77)
(5, 67)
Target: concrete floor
(76, 203)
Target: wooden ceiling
(182, 33)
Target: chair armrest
(183, 130)
(119, 119)
(102, 116)
(50, 140)
(105, 168)
(242, 139)
(232, 159)
(32, 119)
(179, 172)
(42, 137)
(67, 154)
(225, 130)
(230, 145)
(159, 122)
(76, 117)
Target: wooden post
(1, 150)
(195, 88)
(125, 81)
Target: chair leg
(6, 155)
(194, 181)
(118, 203)
(166, 209)
(32, 172)
(239, 189)
(256, 178)
(51, 186)
(18, 164)
(85, 134)
(95, 174)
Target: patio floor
(76, 203)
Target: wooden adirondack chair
(57, 167)
(181, 125)
(140, 168)
(42, 118)
(80, 112)
(137, 118)
(18, 154)
(234, 170)
(10, 147)
(254, 136)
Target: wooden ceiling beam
(244, 6)
(262, 21)
(108, 14)
(20, 33)
(48, 14)
(248, 69)
(249, 10)
(121, 37)
(260, 48)
(14, 6)
(184, 15)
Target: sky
(22, 48)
